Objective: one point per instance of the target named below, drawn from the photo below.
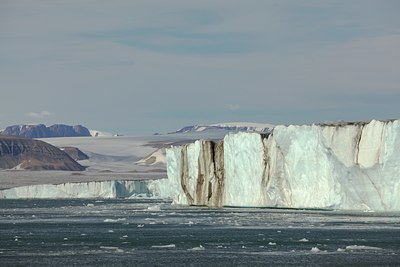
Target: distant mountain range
(42, 131)
(230, 127)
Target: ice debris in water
(303, 240)
(315, 250)
(116, 249)
(164, 246)
(114, 220)
(199, 248)
(154, 208)
(356, 247)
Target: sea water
(148, 232)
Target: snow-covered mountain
(43, 131)
(228, 127)
(350, 166)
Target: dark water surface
(154, 233)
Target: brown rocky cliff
(30, 154)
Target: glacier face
(100, 189)
(353, 166)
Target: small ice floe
(124, 236)
(199, 248)
(164, 246)
(116, 249)
(356, 247)
(341, 250)
(65, 238)
(90, 205)
(243, 246)
(272, 244)
(111, 231)
(140, 225)
(279, 231)
(315, 250)
(114, 220)
(154, 208)
(304, 240)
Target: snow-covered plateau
(345, 166)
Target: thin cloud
(42, 114)
(233, 107)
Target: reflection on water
(154, 233)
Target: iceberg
(346, 166)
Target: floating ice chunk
(315, 250)
(114, 220)
(199, 248)
(140, 225)
(116, 249)
(164, 246)
(154, 208)
(272, 243)
(356, 247)
(341, 250)
(303, 240)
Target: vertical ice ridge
(357, 145)
(217, 189)
(185, 175)
(205, 173)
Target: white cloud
(42, 114)
(232, 107)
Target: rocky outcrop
(75, 153)
(351, 166)
(29, 154)
(41, 131)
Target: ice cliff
(103, 189)
(352, 166)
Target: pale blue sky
(138, 67)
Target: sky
(140, 67)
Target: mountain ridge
(43, 131)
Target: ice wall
(195, 174)
(103, 189)
(354, 166)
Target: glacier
(345, 166)
(94, 189)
